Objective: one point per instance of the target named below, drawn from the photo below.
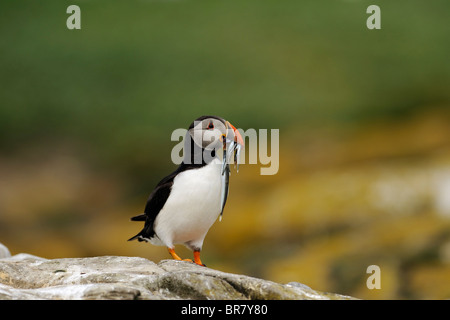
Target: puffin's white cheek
(211, 139)
(197, 136)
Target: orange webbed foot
(197, 259)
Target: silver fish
(231, 150)
(237, 156)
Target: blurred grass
(86, 118)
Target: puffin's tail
(147, 232)
(141, 217)
(140, 236)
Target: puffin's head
(210, 132)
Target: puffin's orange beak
(237, 135)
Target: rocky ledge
(24, 276)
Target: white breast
(192, 207)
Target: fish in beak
(232, 144)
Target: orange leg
(175, 256)
(197, 258)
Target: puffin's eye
(210, 126)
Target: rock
(113, 277)
(4, 252)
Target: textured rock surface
(25, 276)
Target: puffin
(185, 204)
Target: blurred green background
(364, 118)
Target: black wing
(155, 203)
